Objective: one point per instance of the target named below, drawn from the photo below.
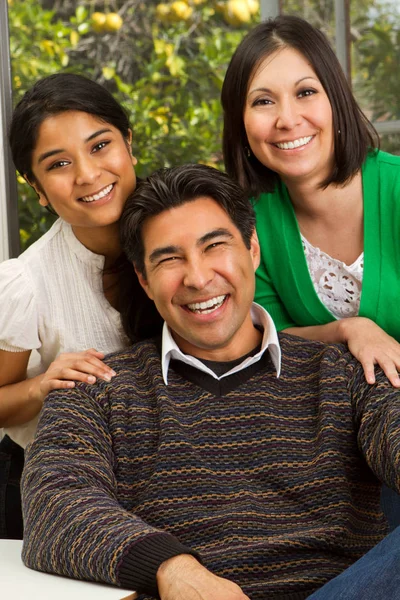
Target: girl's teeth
(208, 306)
(99, 195)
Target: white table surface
(17, 582)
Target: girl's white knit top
(52, 301)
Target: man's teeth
(208, 306)
(99, 195)
(295, 144)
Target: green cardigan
(284, 286)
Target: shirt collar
(259, 316)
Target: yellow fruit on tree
(219, 6)
(163, 12)
(113, 22)
(254, 6)
(180, 11)
(98, 19)
(237, 12)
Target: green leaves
(168, 74)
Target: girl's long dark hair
(139, 316)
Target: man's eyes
(168, 259)
(214, 245)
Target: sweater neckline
(221, 387)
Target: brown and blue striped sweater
(272, 483)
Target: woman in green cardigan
(327, 200)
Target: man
(222, 462)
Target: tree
(164, 61)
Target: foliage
(165, 61)
(166, 70)
(39, 46)
(378, 80)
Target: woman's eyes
(301, 94)
(307, 92)
(262, 102)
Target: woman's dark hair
(171, 187)
(53, 95)
(354, 135)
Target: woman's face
(288, 119)
(83, 167)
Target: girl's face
(288, 118)
(84, 168)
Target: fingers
(371, 345)
(55, 384)
(84, 366)
(95, 352)
(388, 365)
(369, 371)
(390, 369)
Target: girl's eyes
(62, 163)
(100, 145)
(58, 165)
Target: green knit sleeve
(267, 296)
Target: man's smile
(207, 306)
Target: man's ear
(255, 250)
(143, 282)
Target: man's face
(201, 277)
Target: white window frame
(9, 225)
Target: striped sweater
(272, 483)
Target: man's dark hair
(171, 187)
(353, 134)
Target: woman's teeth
(208, 306)
(99, 195)
(295, 144)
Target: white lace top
(338, 285)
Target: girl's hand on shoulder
(371, 345)
(69, 367)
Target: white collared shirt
(259, 316)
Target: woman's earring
(339, 132)
(248, 151)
